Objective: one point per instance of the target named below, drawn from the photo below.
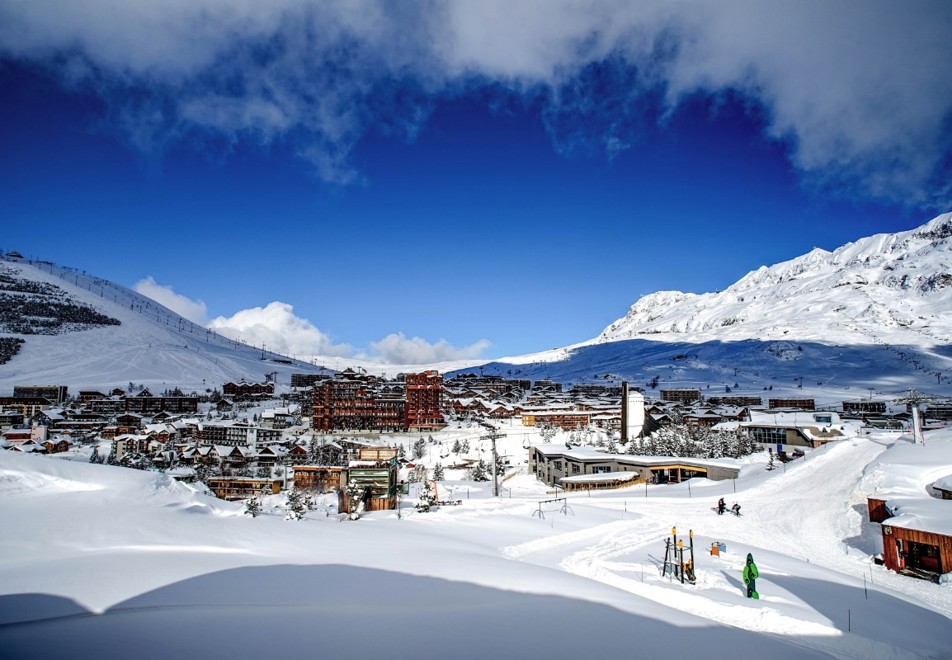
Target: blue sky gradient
(502, 212)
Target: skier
(750, 576)
(721, 506)
(736, 509)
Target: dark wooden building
(424, 392)
(243, 391)
(681, 395)
(877, 407)
(241, 488)
(319, 478)
(802, 404)
(55, 393)
(376, 475)
(919, 553)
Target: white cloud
(193, 310)
(396, 348)
(282, 331)
(276, 326)
(860, 91)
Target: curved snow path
(802, 527)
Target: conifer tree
(480, 472)
(438, 472)
(419, 449)
(112, 458)
(425, 498)
(419, 473)
(253, 506)
(354, 493)
(295, 506)
(201, 472)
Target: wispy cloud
(396, 348)
(193, 310)
(859, 91)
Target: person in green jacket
(750, 576)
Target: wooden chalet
(567, 420)
(802, 404)
(681, 395)
(319, 478)
(57, 445)
(242, 488)
(915, 552)
(376, 473)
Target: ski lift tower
(913, 398)
(493, 434)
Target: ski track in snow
(628, 554)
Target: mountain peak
(887, 288)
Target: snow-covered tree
(111, 458)
(500, 467)
(457, 447)
(201, 472)
(480, 471)
(419, 473)
(419, 449)
(438, 472)
(314, 452)
(253, 506)
(355, 493)
(95, 457)
(425, 498)
(295, 506)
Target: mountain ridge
(871, 316)
(886, 288)
(148, 344)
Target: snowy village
(499, 329)
(822, 526)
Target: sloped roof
(901, 477)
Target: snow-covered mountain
(871, 317)
(85, 332)
(886, 289)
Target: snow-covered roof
(594, 454)
(945, 483)
(901, 477)
(603, 477)
(793, 418)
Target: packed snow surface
(100, 561)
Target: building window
(769, 436)
(575, 468)
(601, 469)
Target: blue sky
(437, 180)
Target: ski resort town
(362, 438)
